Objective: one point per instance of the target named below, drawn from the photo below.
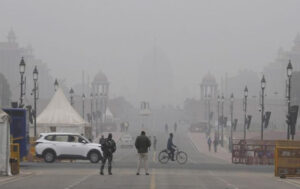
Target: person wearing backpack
(108, 147)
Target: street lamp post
(22, 66)
(222, 124)
(35, 79)
(71, 96)
(263, 86)
(289, 70)
(56, 85)
(245, 110)
(83, 101)
(218, 99)
(231, 119)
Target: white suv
(51, 146)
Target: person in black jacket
(108, 147)
(142, 144)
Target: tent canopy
(59, 112)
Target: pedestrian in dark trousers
(142, 144)
(215, 144)
(154, 143)
(101, 140)
(108, 148)
(209, 143)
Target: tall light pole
(245, 110)
(289, 70)
(83, 103)
(56, 85)
(91, 99)
(71, 96)
(22, 66)
(222, 124)
(35, 79)
(218, 100)
(231, 120)
(263, 86)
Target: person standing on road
(142, 144)
(166, 128)
(108, 148)
(209, 143)
(101, 140)
(154, 143)
(175, 127)
(215, 144)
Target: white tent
(4, 143)
(60, 116)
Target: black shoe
(147, 174)
(101, 173)
(137, 173)
(110, 173)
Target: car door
(61, 145)
(78, 146)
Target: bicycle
(165, 155)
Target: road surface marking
(78, 182)
(16, 178)
(290, 182)
(152, 183)
(223, 180)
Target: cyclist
(171, 147)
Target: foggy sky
(197, 36)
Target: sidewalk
(200, 142)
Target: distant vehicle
(126, 141)
(199, 127)
(52, 146)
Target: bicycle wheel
(163, 157)
(181, 157)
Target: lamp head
(35, 74)
(22, 66)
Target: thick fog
(194, 37)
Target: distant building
(10, 56)
(275, 72)
(156, 79)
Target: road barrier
(287, 158)
(15, 158)
(253, 152)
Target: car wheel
(94, 157)
(49, 156)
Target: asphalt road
(201, 171)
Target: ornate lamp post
(245, 110)
(263, 86)
(22, 66)
(231, 119)
(83, 103)
(71, 96)
(56, 85)
(222, 124)
(35, 89)
(289, 70)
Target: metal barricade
(287, 158)
(253, 152)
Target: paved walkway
(200, 142)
